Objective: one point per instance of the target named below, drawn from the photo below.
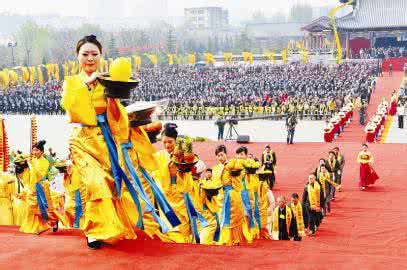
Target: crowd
(315, 91)
(312, 91)
(32, 99)
(382, 53)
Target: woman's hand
(91, 81)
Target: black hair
(365, 145)
(220, 149)
(242, 149)
(40, 145)
(88, 39)
(295, 196)
(170, 130)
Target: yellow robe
(210, 210)
(174, 194)
(72, 183)
(238, 231)
(6, 205)
(18, 199)
(105, 218)
(264, 209)
(142, 155)
(33, 221)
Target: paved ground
(56, 131)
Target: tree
(171, 42)
(112, 48)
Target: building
(371, 23)
(206, 18)
(274, 35)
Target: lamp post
(12, 45)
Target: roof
(267, 30)
(317, 25)
(376, 14)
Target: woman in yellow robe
(102, 123)
(233, 221)
(39, 215)
(210, 205)
(18, 200)
(140, 152)
(179, 189)
(74, 195)
(6, 204)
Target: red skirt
(368, 175)
(393, 108)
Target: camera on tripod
(232, 122)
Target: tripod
(230, 133)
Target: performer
(300, 218)
(222, 158)
(233, 217)
(340, 157)
(368, 176)
(282, 218)
(39, 214)
(250, 184)
(140, 162)
(311, 198)
(102, 122)
(269, 163)
(6, 205)
(74, 195)
(178, 188)
(211, 204)
(324, 179)
(334, 168)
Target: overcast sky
(243, 8)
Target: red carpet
(366, 230)
(384, 87)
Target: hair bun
(170, 126)
(42, 142)
(91, 37)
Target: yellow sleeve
(77, 102)
(119, 127)
(331, 182)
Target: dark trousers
(290, 136)
(220, 133)
(362, 118)
(401, 121)
(314, 220)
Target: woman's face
(221, 157)
(169, 144)
(364, 147)
(89, 58)
(37, 152)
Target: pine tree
(112, 48)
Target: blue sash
(225, 218)
(78, 209)
(117, 171)
(216, 236)
(194, 216)
(246, 204)
(161, 200)
(257, 210)
(139, 187)
(42, 200)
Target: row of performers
(228, 204)
(375, 126)
(337, 123)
